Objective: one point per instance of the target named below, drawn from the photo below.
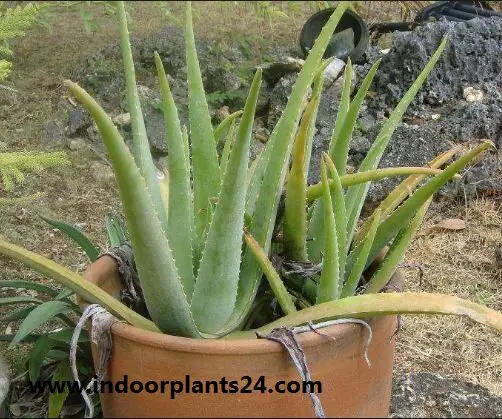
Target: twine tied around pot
(287, 337)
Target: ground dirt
(462, 262)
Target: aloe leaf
(369, 305)
(278, 151)
(396, 252)
(4, 301)
(76, 235)
(77, 283)
(221, 129)
(29, 285)
(356, 196)
(401, 216)
(315, 243)
(115, 231)
(316, 97)
(362, 252)
(180, 212)
(354, 179)
(338, 204)
(342, 141)
(37, 355)
(141, 147)
(329, 284)
(402, 191)
(343, 107)
(217, 280)
(38, 316)
(160, 281)
(295, 211)
(206, 171)
(281, 293)
(226, 149)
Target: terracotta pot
(349, 386)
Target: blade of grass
(76, 235)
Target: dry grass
(461, 263)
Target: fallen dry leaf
(449, 224)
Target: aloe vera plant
(204, 243)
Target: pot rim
(107, 264)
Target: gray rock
(426, 395)
(333, 71)
(78, 121)
(122, 120)
(154, 119)
(53, 131)
(272, 72)
(101, 172)
(219, 79)
(75, 144)
(471, 58)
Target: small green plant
(13, 167)
(203, 245)
(13, 23)
(49, 356)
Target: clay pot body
(349, 386)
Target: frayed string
(102, 322)
(287, 338)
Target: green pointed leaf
(29, 285)
(356, 196)
(161, 284)
(115, 231)
(402, 215)
(141, 146)
(37, 355)
(38, 316)
(342, 140)
(343, 107)
(221, 129)
(4, 301)
(281, 293)
(78, 284)
(315, 191)
(329, 284)
(180, 222)
(276, 162)
(216, 286)
(396, 252)
(295, 211)
(402, 191)
(206, 171)
(76, 235)
(361, 260)
(227, 147)
(369, 305)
